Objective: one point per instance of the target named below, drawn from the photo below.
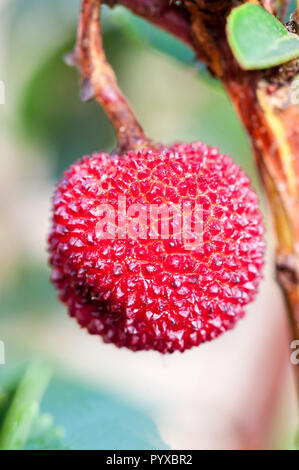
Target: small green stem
(25, 406)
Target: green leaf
(258, 40)
(97, 420)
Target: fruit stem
(98, 80)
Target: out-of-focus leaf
(292, 4)
(142, 30)
(45, 435)
(95, 420)
(51, 112)
(29, 291)
(258, 40)
(6, 397)
(71, 416)
(33, 29)
(139, 30)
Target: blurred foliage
(30, 291)
(88, 419)
(291, 8)
(51, 112)
(144, 33)
(98, 421)
(45, 435)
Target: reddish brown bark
(98, 80)
(163, 13)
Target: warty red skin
(154, 293)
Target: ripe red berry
(148, 289)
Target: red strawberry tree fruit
(161, 246)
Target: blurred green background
(44, 128)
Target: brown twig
(98, 80)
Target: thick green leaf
(258, 40)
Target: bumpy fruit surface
(142, 290)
